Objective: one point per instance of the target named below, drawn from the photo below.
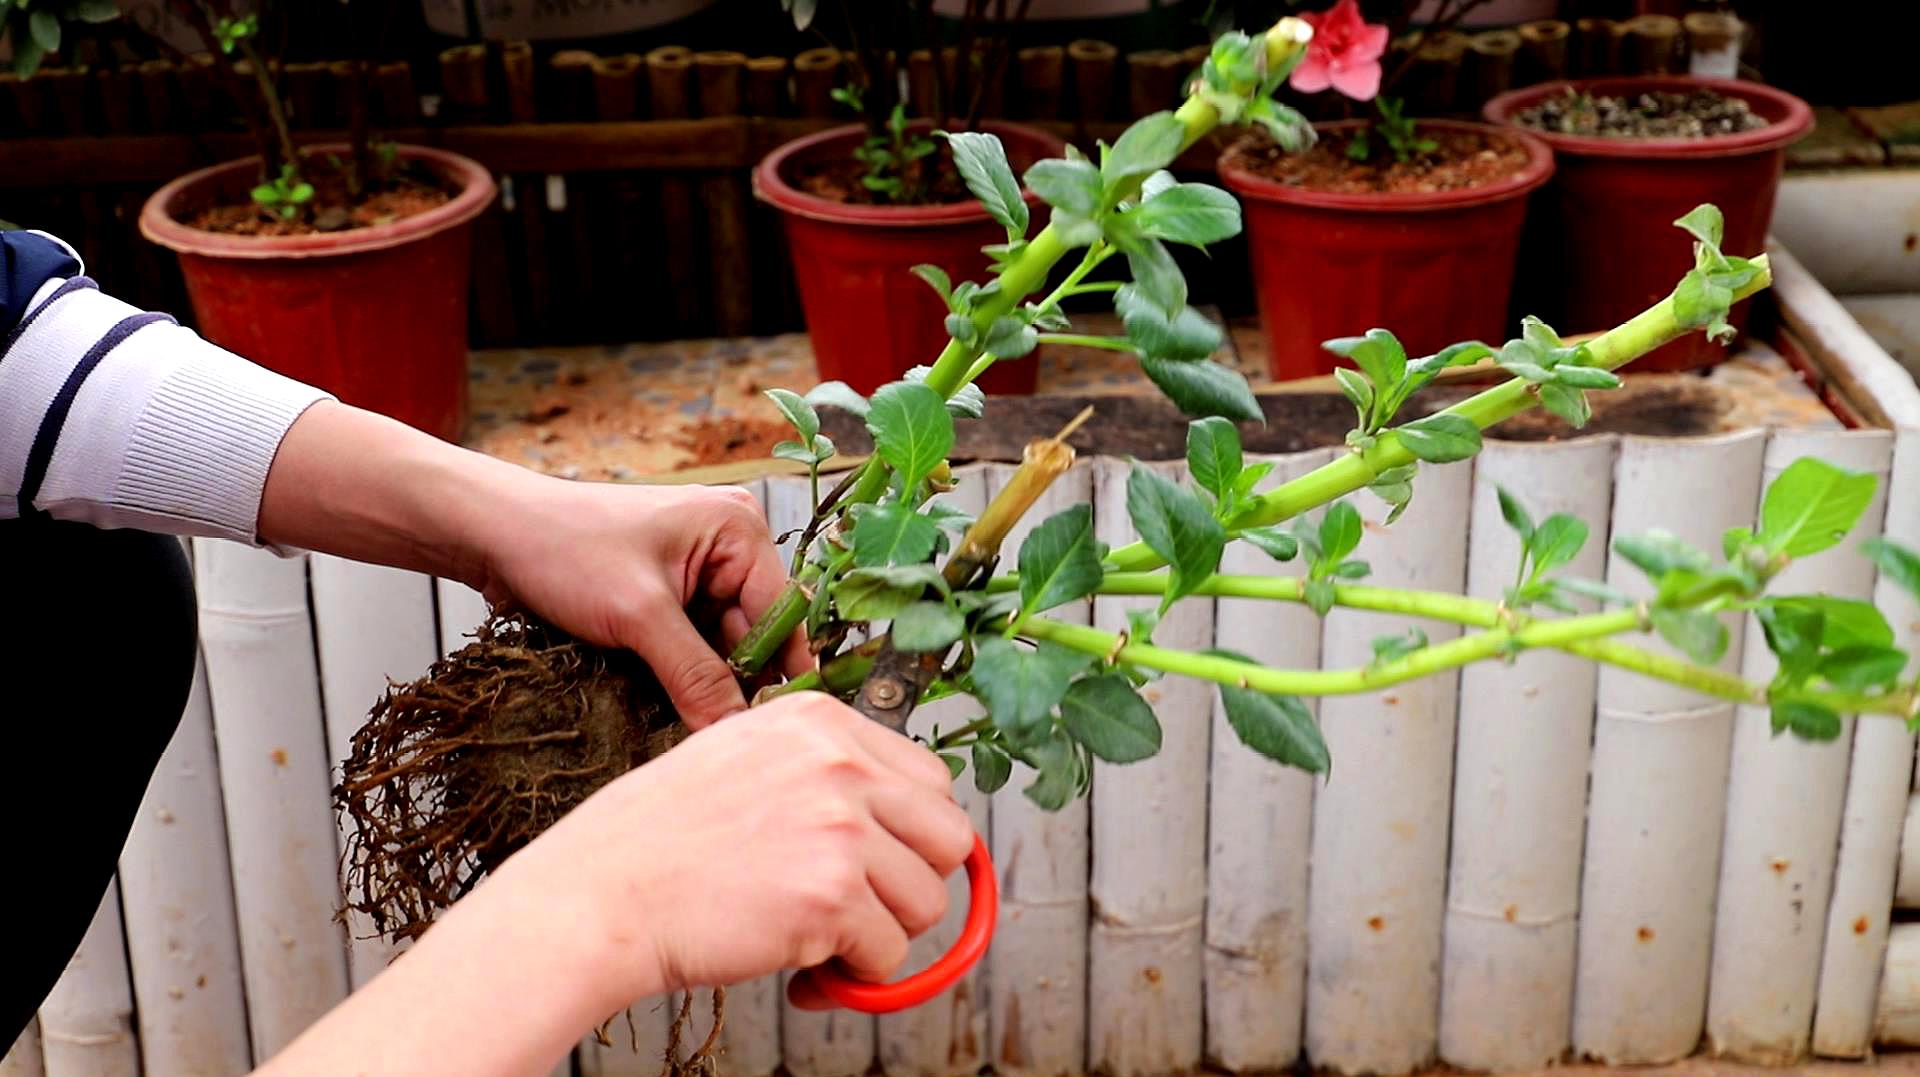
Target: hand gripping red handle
(983, 913)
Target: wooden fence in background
(625, 211)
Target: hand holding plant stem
(1059, 695)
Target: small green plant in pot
(261, 241)
(865, 203)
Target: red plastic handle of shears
(983, 913)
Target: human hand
(783, 837)
(676, 574)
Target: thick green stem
(1425, 662)
(1477, 613)
(1355, 471)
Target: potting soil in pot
(331, 209)
(1654, 114)
(1458, 160)
(931, 181)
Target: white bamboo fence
(1505, 869)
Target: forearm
(502, 985)
(363, 486)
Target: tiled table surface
(627, 411)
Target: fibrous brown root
(456, 772)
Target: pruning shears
(889, 695)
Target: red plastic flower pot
(869, 318)
(1606, 224)
(1436, 267)
(376, 316)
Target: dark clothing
(97, 640)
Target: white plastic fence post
(1784, 803)
(1149, 877)
(1659, 777)
(1877, 795)
(1520, 780)
(1259, 834)
(1378, 890)
(86, 1022)
(1037, 974)
(372, 625)
(176, 885)
(257, 639)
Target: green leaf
(1585, 377)
(1019, 686)
(927, 626)
(1359, 393)
(1896, 563)
(798, 412)
(1157, 276)
(27, 54)
(1441, 438)
(1063, 184)
(45, 27)
(838, 394)
(92, 10)
(1422, 371)
(983, 164)
(1204, 387)
(1319, 595)
(912, 430)
(1812, 506)
(1700, 636)
(1060, 560)
(1393, 648)
(991, 767)
(1845, 622)
(1274, 542)
(1351, 570)
(1109, 717)
(1863, 669)
(1146, 147)
(1156, 185)
(938, 278)
(1339, 532)
(1808, 721)
(1175, 523)
(877, 594)
(1516, 515)
(1378, 355)
(954, 763)
(1557, 542)
(800, 454)
(1059, 773)
(1734, 540)
(1191, 213)
(1395, 487)
(969, 402)
(1213, 456)
(1594, 589)
(1657, 553)
(1704, 223)
(893, 534)
(949, 518)
(1011, 337)
(1278, 727)
(1187, 335)
(1569, 404)
(1701, 301)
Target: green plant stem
(1079, 340)
(1356, 470)
(955, 366)
(1425, 662)
(953, 738)
(1477, 613)
(276, 116)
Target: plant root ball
(456, 772)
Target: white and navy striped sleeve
(117, 417)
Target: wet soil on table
(1459, 160)
(1655, 114)
(726, 441)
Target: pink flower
(1344, 53)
